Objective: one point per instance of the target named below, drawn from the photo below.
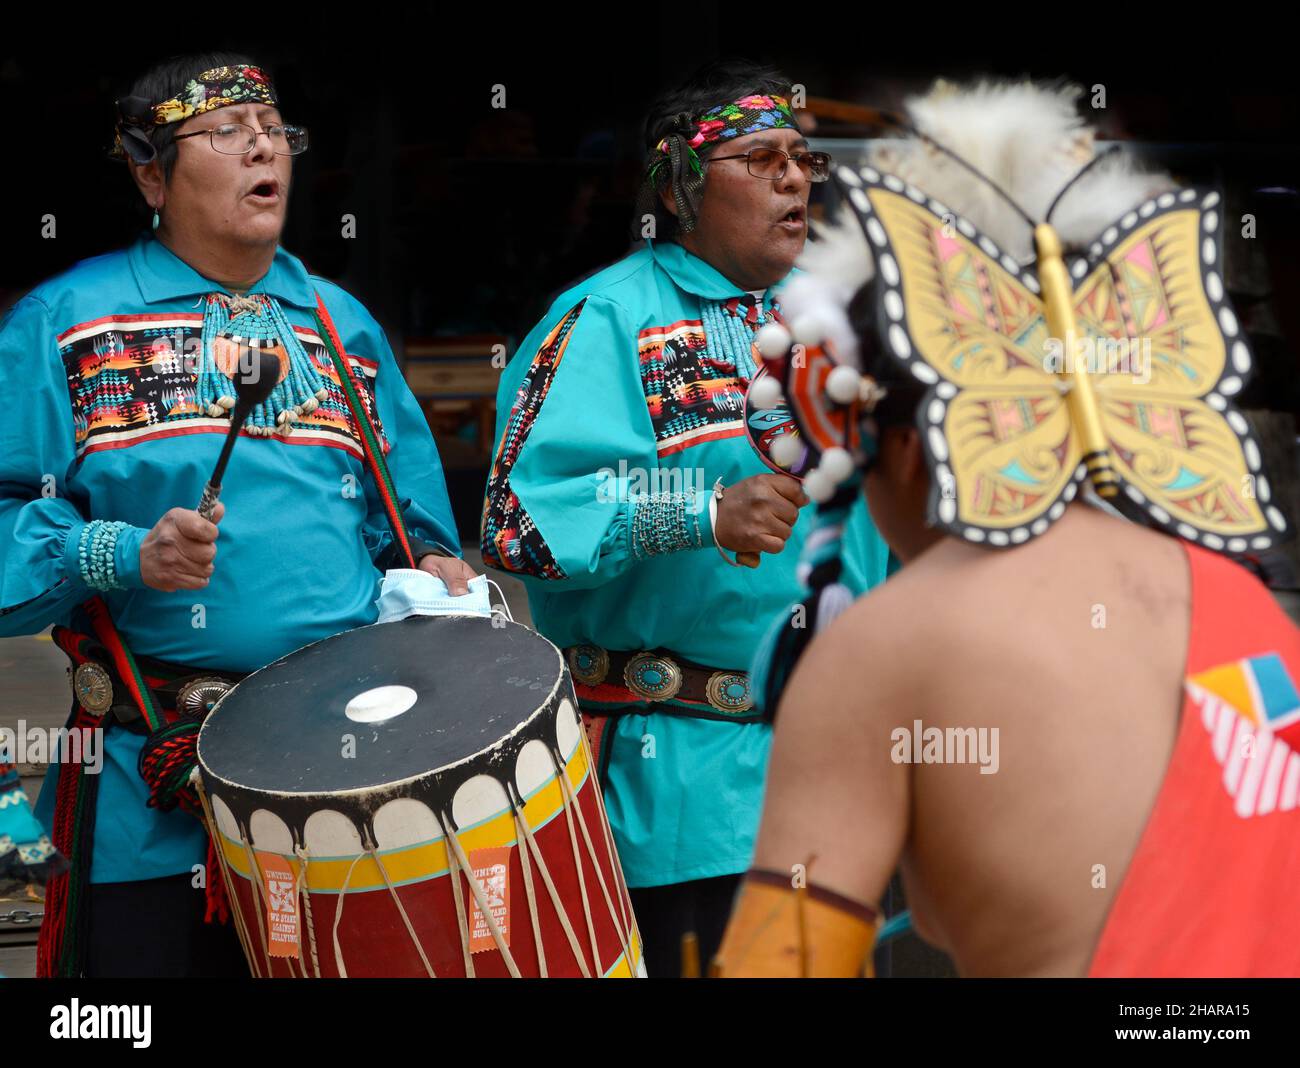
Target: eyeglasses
(235, 138)
(769, 163)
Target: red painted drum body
(415, 798)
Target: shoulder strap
(101, 620)
(370, 443)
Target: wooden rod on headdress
(1063, 328)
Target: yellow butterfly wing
(967, 320)
(1014, 461)
(1166, 355)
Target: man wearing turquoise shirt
(117, 369)
(617, 420)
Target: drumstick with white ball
(254, 381)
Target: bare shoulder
(965, 607)
(929, 601)
(880, 652)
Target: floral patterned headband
(217, 88)
(747, 115)
(676, 158)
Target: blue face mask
(406, 592)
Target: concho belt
(97, 689)
(655, 675)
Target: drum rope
(629, 920)
(410, 930)
(625, 905)
(530, 892)
(305, 892)
(577, 863)
(454, 869)
(600, 875)
(338, 915)
(236, 914)
(477, 890)
(255, 877)
(555, 898)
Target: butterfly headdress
(1034, 359)
(1113, 362)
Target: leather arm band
(778, 930)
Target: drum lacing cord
(410, 930)
(338, 915)
(304, 893)
(477, 891)
(522, 824)
(461, 921)
(577, 860)
(238, 916)
(595, 862)
(629, 921)
(530, 891)
(369, 847)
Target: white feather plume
(1026, 137)
(833, 268)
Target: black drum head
(381, 704)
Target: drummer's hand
(453, 571)
(178, 553)
(757, 515)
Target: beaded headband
(747, 115)
(676, 158)
(217, 88)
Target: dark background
(469, 219)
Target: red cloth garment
(1211, 888)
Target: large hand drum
(415, 798)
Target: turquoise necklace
(236, 325)
(727, 324)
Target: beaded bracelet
(665, 523)
(96, 554)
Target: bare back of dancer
(1072, 651)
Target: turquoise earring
(155, 219)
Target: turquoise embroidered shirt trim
(621, 390)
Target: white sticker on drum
(380, 704)
(405, 822)
(478, 800)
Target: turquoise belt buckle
(589, 664)
(653, 677)
(729, 692)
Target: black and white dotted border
(1237, 367)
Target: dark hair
(715, 83)
(167, 79)
(903, 393)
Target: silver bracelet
(713, 521)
